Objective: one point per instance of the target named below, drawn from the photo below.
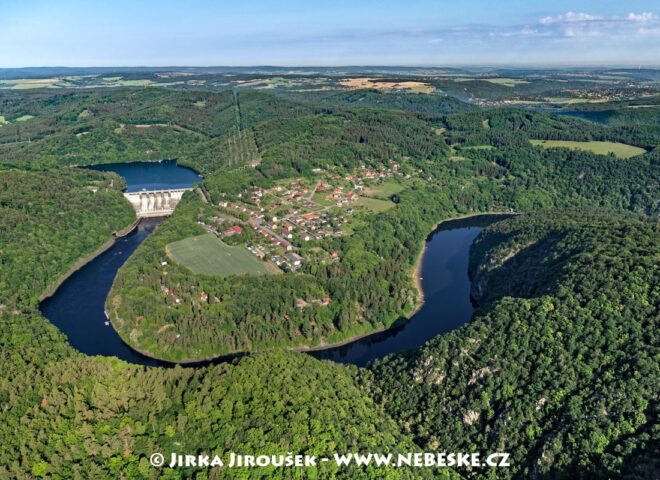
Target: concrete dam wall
(155, 203)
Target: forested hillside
(66, 415)
(558, 368)
(49, 220)
(407, 102)
(516, 127)
(370, 286)
(559, 365)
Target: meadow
(374, 204)
(620, 150)
(208, 255)
(384, 190)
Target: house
(235, 230)
(293, 258)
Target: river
(77, 307)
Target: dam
(155, 203)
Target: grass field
(478, 147)
(24, 118)
(620, 150)
(319, 199)
(507, 82)
(208, 255)
(3, 120)
(384, 190)
(375, 205)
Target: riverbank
(81, 262)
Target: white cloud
(570, 17)
(645, 17)
(580, 24)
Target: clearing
(375, 205)
(383, 190)
(478, 147)
(208, 255)
(620, 150)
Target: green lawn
(384, 190)
(208, 255)
(620, 150)
(375, 205)
(319, 199)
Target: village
(277, 223)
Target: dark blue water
(447, 302)
(152, 175)
(77, 307)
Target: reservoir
(162, 175)
(77, 307)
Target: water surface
(152, 175)
(78, 307)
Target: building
(235, 230)
(294, 259)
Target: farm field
(620, 150)
(416, 87)
(208, 255)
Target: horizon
(294, 34)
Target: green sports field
(620, 150)
(208, 255)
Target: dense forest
(50, 220)
(66, 415)
(559, 366)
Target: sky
(337, 32)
